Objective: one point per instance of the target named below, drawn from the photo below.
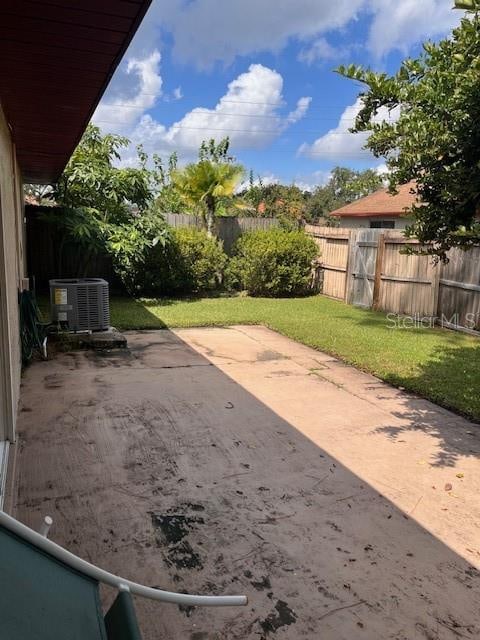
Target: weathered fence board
(228, 229)
(459, 292)
(406, 281)
(369, 268)
(333, 247)
(364, 255)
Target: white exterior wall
(12, 270)
(355, 222)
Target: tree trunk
(211, 219)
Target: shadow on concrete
(158, 466)
(459, 370)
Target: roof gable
(380, 203)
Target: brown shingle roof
(380, 203)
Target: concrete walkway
(237, 461)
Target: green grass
(441, 365)
(438, 364)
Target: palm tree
(204, 184)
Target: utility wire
(246, 115)
(269, 104)
(227, 129)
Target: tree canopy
(205, 185)
(344, 186)
(91, 179)
(435, 140)
(103, 207)
(293, 206)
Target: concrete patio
(235, 460)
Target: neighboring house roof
(380, 204)
(56, 60)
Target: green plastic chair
(48, 593)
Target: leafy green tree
(217, 152)
(292, 206)
(436, 139)
(206, 185)
(344, 186)
(288, 203)
(166, 197)
(102, 207)
(92, 180)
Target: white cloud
(301, 110)
(310, 182)
(399, 24)
(381, 169)
(306, 182)
(339, 142)
(250, 113)
(207, 31)
(118, 113)
(178, 93)
(269, 178)
(319, 50)
(305, 186)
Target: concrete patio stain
(238, 461)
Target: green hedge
(273, 263)
(189, 262)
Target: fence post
(378, 271)
(352, 239)
(436, 275)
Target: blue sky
(261, 71)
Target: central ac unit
(80, 304)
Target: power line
(271, 104)
(267, 104)
(230, 129)
(242, 115)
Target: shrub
(273, 263)
(190, 262)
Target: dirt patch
(282, 617)
(172, 529)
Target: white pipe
(100, 575)
(45, 526)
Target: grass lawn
(441, 365)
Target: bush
(190, 262)
(273, 263)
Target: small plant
(273, 263)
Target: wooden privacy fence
(367, 268)
(49, 256)
(228, 229)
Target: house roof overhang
(56, 60)
(370, 214)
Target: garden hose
(32, 330)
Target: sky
(262, 72)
